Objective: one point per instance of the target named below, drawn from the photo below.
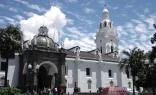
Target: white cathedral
(86, 70)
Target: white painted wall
(13, 71)
(126, 80)
(69, 76)
(99, 75)
(76, 72)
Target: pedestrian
(28, 92)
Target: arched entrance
(46, 77)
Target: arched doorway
(42, 77)
(46, 76)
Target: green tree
(10, 38)
(132, 62)
(11, 91)
(144, 73)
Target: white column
(100, 67)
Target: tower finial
(105, 5)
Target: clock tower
(106, 37)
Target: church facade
(69, 69)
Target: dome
(105, 10)
(105, 14)
(42, 41)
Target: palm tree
(132, 62)
(10, 38)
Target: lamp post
(75, 88)
(32, 72)
(152, 70)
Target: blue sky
(76, 22)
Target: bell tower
(106, 37)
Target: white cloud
(137, 44)
(19, 17)
(133, 36)
(133, 40)
(143, 37)
(54, 19)
(85, 44)
(13, 9)
(23, 2)
(123, 14)
(101, 2)
(2, 21)
(10, 20)
(141, 16)
(88, 41)
(150, 21)
(69, 43)
(36, 7)
(128, 6)
(79, 38)
(71, 1)
(70, 21)
(119, 28)
(115, 8)
(123, 41)
(129, 25)
(87, 3)
(139, 33)
(75, 31)
(81, 18)
(146, 10)
(1, 5)
(57, 4)
(89, 10)
(112, 7)
(70, 35)
(140, 27)
(32, 6)
(30, 14)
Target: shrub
(11, 91)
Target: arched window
(66, 70)
(111, 48)
(110, 73)
(88, 73)
(96, 52)
(110, 24)
(115, 54)
(128, 75)
(89, 84)
(129, 84)
(105, 24)
(101, 49)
